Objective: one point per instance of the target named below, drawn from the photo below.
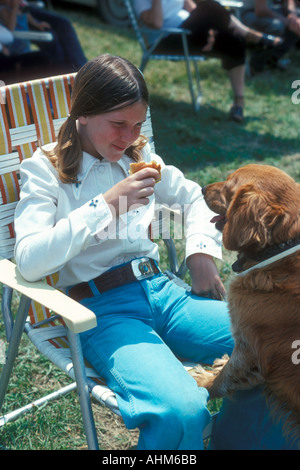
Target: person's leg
(266, 25)
(232, 50)
(195, 328)
(237, 80)
(209, 15)
(68, 48)
(154, 391)
(259, 59)
(227, 45)
(252, 36)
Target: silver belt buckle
(142, 268)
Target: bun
(134, 167)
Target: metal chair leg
(6, 311)
(196, 97)
(14, 345)
(83, 391)
(198, 85)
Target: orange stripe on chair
(52, 279)
(53, 99)
(5, 141)
(38, 312)
(41, 112)
(72, 79)
(26, 150)
(25, 102)
(67, 88)
(19, 115)
(9, 187)
(59, 343)
(3, 190)
(11, 230)
(16, 106)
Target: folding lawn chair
(31, 112)
(154, 51)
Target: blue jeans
(65, 47)
(244, 423)
(266, 24)
(142, 329)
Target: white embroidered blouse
(69, 227)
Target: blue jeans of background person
(244, 423)
(65, 48)
(271, 25)
(266, 24)
(142, 328)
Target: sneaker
(280, 64)
(236, 114)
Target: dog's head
(257, 206)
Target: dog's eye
(227, 193)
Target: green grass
(206, 147)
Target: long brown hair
(103, 84)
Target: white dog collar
(272, 260)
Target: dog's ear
(250, 218)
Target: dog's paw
(197, 371)
(220, 363)
(202, 376)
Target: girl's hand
(206, 281)
(134, 190)
(43, 25)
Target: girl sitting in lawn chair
(81, 213)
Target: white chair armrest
(165, 30)
(233, 4)
(33, 35)
(77, 317)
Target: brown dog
(259, 215)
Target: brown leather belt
(137, 269)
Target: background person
(214, 32)
(277, 18)
(63, 49)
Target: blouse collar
(88, 161)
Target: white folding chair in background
(152, 52)
(32, 112)
(149, 52)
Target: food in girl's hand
(134, 167)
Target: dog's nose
(203, 190)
